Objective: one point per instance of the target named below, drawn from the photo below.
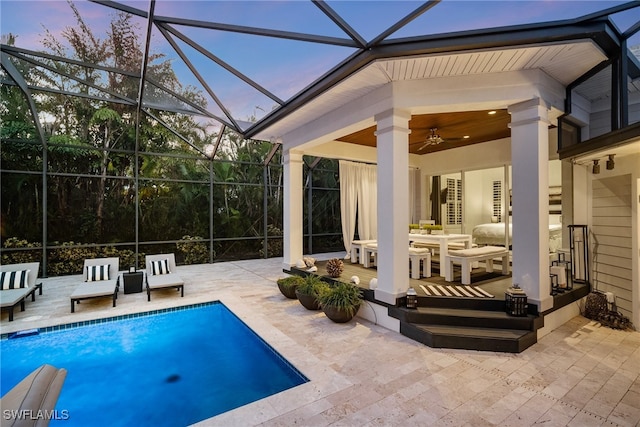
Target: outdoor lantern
(611, 163)
(412, 298)
(515, 300)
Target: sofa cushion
(482, 250)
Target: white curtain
(348, 201)
(358, 193)
(368, 202)
(414, 188)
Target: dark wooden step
(467, 303)
(470, 338)
(464, 317)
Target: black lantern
(515, 300)
(412, 298)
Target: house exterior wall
(500, 90)
(605, 225)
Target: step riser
(489, 304)
(464, 303)
(524, 323)
(482, 319)
(468, 343)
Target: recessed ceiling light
(492, 112)
(466, 137)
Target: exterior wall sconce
(610, 163)
(596, 167)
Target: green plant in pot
(341, 302)
(288, 286)
(309, 290)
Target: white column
(292, 205)
(530, 180)
(393, 202)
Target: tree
(107, 127)
(109, 122)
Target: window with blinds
(497, 200)
(454, 201)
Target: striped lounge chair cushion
(14, 279)
(160, 267)
(96, 273)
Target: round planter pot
(308, 301)
(288, 291)
(337, 314)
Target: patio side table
(132, 282)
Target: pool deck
(362, 374)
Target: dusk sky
(284, 67)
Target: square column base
(387, 297)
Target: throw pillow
(160, 267)
(14, 279)
(96, 273)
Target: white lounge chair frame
(99, 289)
(10, 298)
(162, 281)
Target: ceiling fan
(432, 139)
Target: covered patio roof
(263, 72)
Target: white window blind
(454, 201)
(497, 200)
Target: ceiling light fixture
(610, 163)
(596, 167)
(432, 139)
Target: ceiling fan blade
(425, 145)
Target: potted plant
(435, 229)
(309, 290)
(341, 302)
(430, 228)
(413, 228)
(288, 285)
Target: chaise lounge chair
(101, 279)
(161, 274)
(17, 282)
(36, 394)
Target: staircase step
(470, 303)
(464, 317)
(470, 338)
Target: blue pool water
(170, 368)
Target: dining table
(442, 240)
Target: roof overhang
(565, 51)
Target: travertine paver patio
(361, 374)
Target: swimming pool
(169, 367)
